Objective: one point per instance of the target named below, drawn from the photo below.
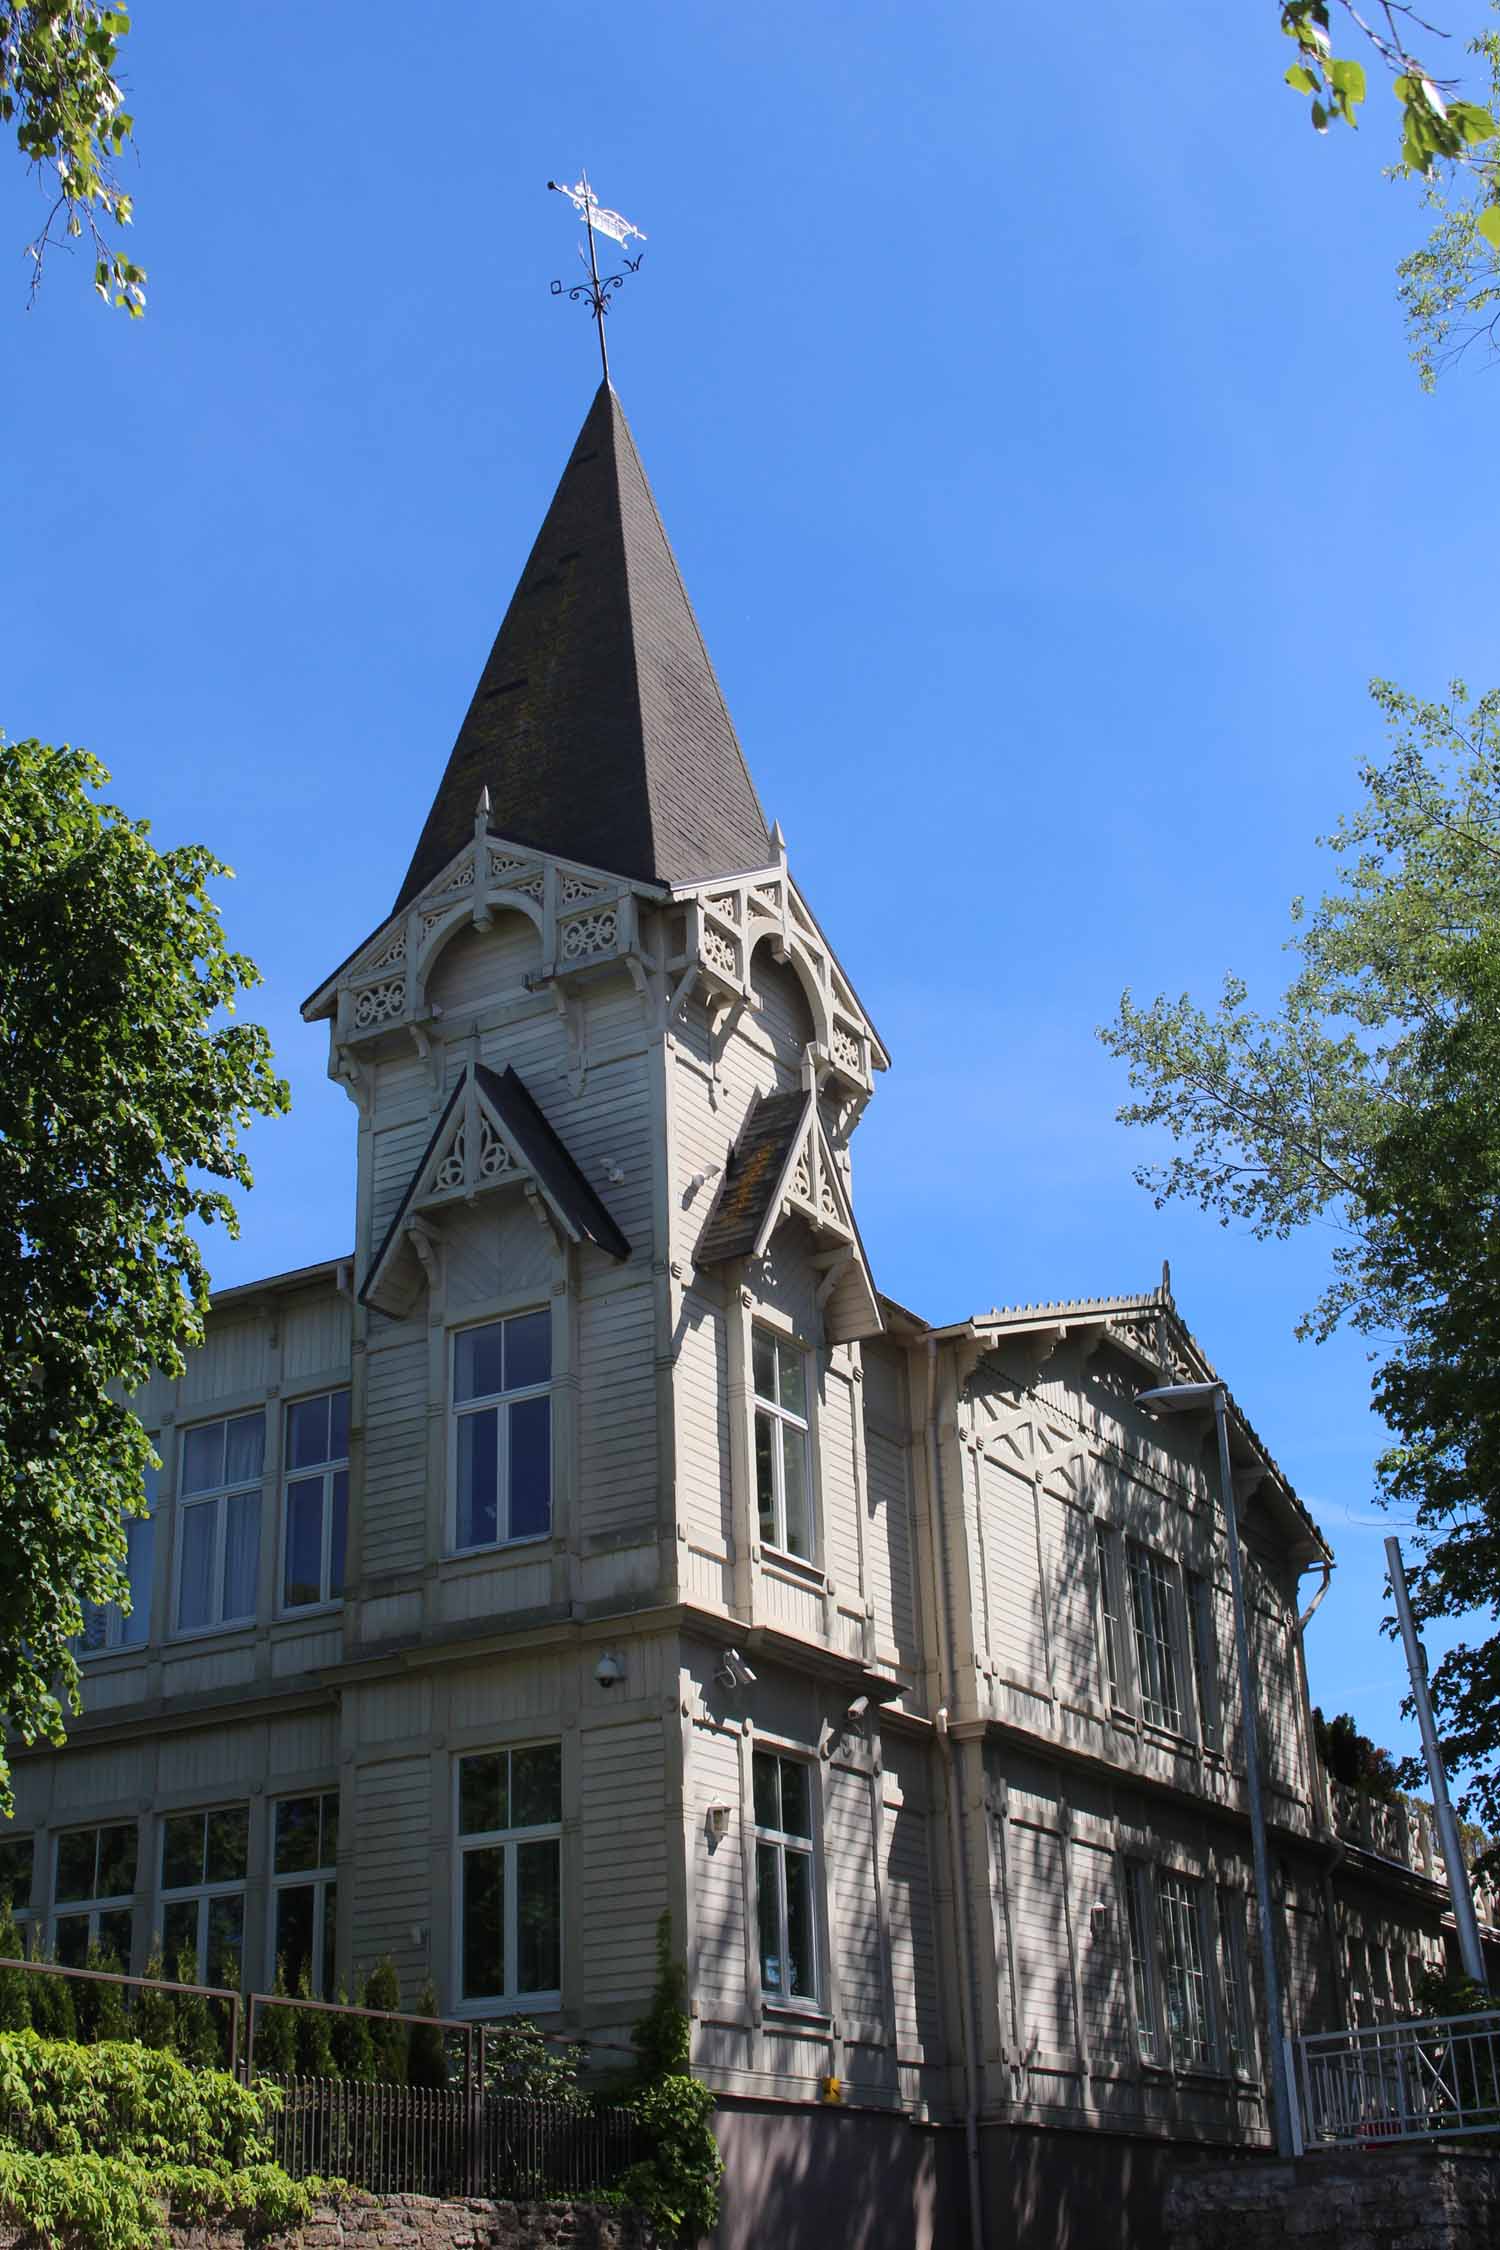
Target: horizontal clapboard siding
(624, 1862)
(395, 1509)
(854, 1908)
(393, 1865)
(719, 1955)
(617, 1449)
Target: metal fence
(442, 2141)
(1434, 2078)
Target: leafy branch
(59, 87)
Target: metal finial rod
(595, 292)
(600, 307)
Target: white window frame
(1234, 1975)
(459, 1409)
(89, 1909)
(508, 1842)
(327, 1470)
(117, 1626)
(1156, 1631)
(321, 1880)
(783, 1842)
(1141, 1963)
(1182, 1914)
(217, 1498)
(784, 1418)
(201, 1893)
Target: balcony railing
(1436, 2078)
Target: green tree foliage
(15, 1996)
(97, 2142)
(1436, 125)
(1368, 1099)
(383, 1990)
(123, 1095)
(353, 2047)
(99, 2009)
(59, 88)
(1450, 288)
(426, 2057)
(520, 2060)
(1352, 1758)
(153, 2016)
(677, 2186)
(52, 2015)
(195, 2035)
(315, 2057)
(276, 2034)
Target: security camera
(609, 1671)
(857, 1710)
(734, 1671)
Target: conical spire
(598, 727)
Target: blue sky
(1035, 431)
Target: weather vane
(595, 291)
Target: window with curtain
(510, 1875)
(204, 1858)
(315, 1512)
(502, 1433)
(304, 1890)
(218, 1527)
(105, 1624)
(786, 1880)
(93, 1893)
(783, 1480)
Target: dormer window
(502, 1436)
(783, 1482)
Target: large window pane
(307, 1433)
(227, 1844)
(297, 1835)
(338, 1426)
(340, 1535)
(794, 1489)
(478, 1477)
(538, 1917)
(295, 1906)
(195, 1599)
(302, 1581)
(76, 1860)
(15, 1869)
(181, 1850)
(483, 1793)
(203, 1458)
(330, 1938)
(530, 1467)
(763, 1363)
(768, 1889)
(244, 1449)
(765, 1476)
(241, 1553)
(179, 1937)
(140, 1542)
(116, 1861)
(72, 1944)
(796, 1797)
(115, 1933)
(765, 1780)
(536, 1786)
(802, 1980)
(528, 1351)
(479, 1361)
(791, 1367)
(484, 1923)
(226, 1938)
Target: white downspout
(957, 1842)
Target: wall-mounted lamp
(717, 1823)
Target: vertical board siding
(840, 1500)
(1067, 1540)
(617, 1450)
(315, 1334)
(475, 966)
(853, 1905)
(888, 1543)
(235, 1356)
(395, 1496)
(624, 1861)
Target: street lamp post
(1183, 1398)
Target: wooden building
(597, 1539)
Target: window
(1204, 1650)
(1108, 1611)
(94, 1893)
(1179, 1905)
(203, 1856)
(510, 1875)
(781, 1443)
(218, 1543)
(16, 1857)
(1236, 1983)
(1153, 1616)
(304, 1890)
(1142, 1968)
(784, 1879)
(105, 1624)
(503, 1441)
(316, 1515)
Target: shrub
(353, 2048)
(100, 2008)
(383, 1990)
(314, 2038)
(15, 1994)
(154, 2019)
(677, 2186)
(426, 2056)
(276, 2034)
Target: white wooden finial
(778, 841)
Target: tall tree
(59, 88)
(123, 1095)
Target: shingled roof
(597, 725)
(751, 1178)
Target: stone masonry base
(1383, 2199)
(420, 2222)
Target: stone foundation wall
(1383, 2199)
(421, 2222)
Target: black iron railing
(442, 2141)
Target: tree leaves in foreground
(1437, 126)
(122, 1099)
(1369, 1099)
(59, 89)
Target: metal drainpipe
(958, 1845)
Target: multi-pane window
(1203, 1649)
(105, 1624)
(1179, 1905)
(304, 1890)
(1138, 1920)
(203, 1861)
(218, 1534)
(317, 1500)
(94, 1892)
(510, 1875)
(782, 1480)
(502, 1407)
(1108, 1611)
(17, 1855)
(1153, 1610)
(1235, 1981)
(785, 1879)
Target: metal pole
(1469, 1947)
(1281, 2107)
(588, 220)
